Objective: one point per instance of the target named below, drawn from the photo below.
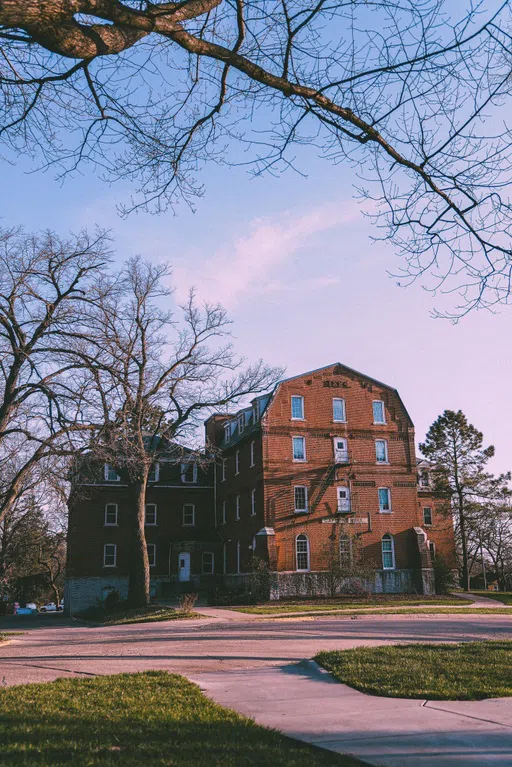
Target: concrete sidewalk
(305, 702)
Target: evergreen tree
(455, 448)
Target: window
(223, 470)
(237, 462)
(384, 499)
(111, 514)
(252, 454)
(256, 412)
(424, 479)
(224, 518)
(427, 515)
(338, 410)
(227, 432)
(344, 503)
(154, 473)
(208, 563)
(110, 474)
(237, 507)
(238, 556)
(189, 515)
(388, 552)
(151, 554)
(381, 450)
(150, 514)
(432, 548)
(224, 558)
(345, 551)
(301, 498)
(379, 414)
(298, 408)
(241, 423)
(299, 448)
(302, 550)
(189, 472)
(253, 502)
(340, 450)
(109, 555)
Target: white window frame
(381, 510)
(237, 508)
(386, 453)
(299, 460)
(428, 524)
(432, 548)
(111, 524)
(224, 512)
(224, 463)
(344, 408)
(256, 412)
(106, 470)
(302, 536)
(306, 506)
(146, 523)
(227, 431)
(237, 462)
(208, 571)
(114, 554)
(347, 499)
(345, 454)
(253, 502)
(296, 417)
(380, 402)
(188, 524)
(151, 546)
(388, 537)
(252, 450)
(238, 557)
(155, 470)
(184, 466)
(241, 423)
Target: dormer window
(227, 432)
(424, 479)
(110, 474)
(189, 472)
(256, 412)
(241, 423)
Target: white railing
(341, 456)
(344, 506)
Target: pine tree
(455, 448)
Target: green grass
(326, 606)
(467, 671)
(153, 718)
(149, 614)
(500, 596)
(401, 611)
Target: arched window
(388, 552)
(302, 549)
(345, 551)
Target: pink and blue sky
(292, 260)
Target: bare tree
(44, 283)
(152, 376)
(410, 93)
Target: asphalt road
(55, 647)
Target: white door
(184, 566)
(343, 500)
(340, 450)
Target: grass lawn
(153, 719)
(348, 603)
(149, 614)
(467, 671)
(500, 596)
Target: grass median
(152, 718)
(149, 614)
(465, 671)
(499, 596)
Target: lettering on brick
(404, 484)
(335, 385)
(364, 484)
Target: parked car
(51, 607)
(31, 606)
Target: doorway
(184, 566)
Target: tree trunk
(138, 581)
(464, 544)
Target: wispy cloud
(249, 264)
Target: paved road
(49, 650)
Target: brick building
(327, 459)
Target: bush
(112, 600)
(187, 602)
(443, 576)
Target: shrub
(443, 576)
(112, 600)
(187, 602)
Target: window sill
(110, 567)
(111, 524)
(334, 421)
(299, 460)
(382, 463)
(383, 511)
(379, 423)
(300, 511)
(188, 524)
(150, 524)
